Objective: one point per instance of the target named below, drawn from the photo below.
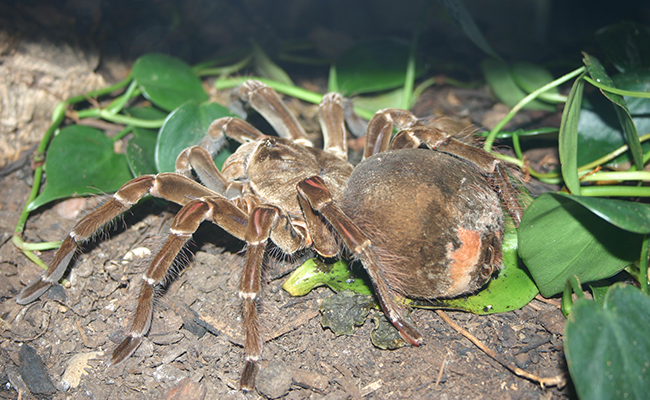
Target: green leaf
(599, 130)
(314, 273)
(80, 162)
(607, 347)
(568, 137)
(559, 238)
(374, 66)
(167, 81)
(141, 149)
(459, 13)
(599, 289)
(141, 152)
(185, 127)
(531, 77)
(505, 88)
(632, 217)
(598, 73)
(266, 68)
(627, 45)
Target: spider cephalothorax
(422, 211)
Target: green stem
(99, 92)
(615, 191)
(421, 87)
(616, 90)
(577, 288)
(409, 78)
(567, 299)
(553, 97)
(36, 246)
(228, 69)
(617, 176)
(333, 80)
(289, 90)
(118, 104)
(128, 129)
(135, 122)
(120, 118)
(57, 117)
(517, 146)
(409, 82)
(487, 146)
(609, 157)
(234, 58)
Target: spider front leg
(314, 191)
(265, 222)
(161, 185)
(215, 209)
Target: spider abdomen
(435, 223)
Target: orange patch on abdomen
(463, 260)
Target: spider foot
(33, 291)
(247, 382)
(124, 350)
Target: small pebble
(522, 360)
(169, 374)
(274, 380)
(71, 208)
(56, 292)
(33, 372)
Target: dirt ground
(194, 348)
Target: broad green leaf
(632, 217)
(597, 72)
(186, 126)
(502, 82)
(599, 289)
(80, 162)
(314, 273)
(559, 238)
(141, 152)
(599, 130)
(374, 66)
(626, 44)
(607, 347)
(141, 149)
(167, 81)
(531, 77)
(568, 137)
(459, 13)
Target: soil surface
(56, 347)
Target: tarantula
(422, 211)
